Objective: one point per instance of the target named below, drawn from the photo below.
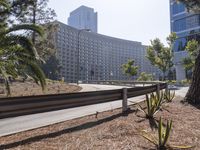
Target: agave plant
(154, 103)
(161, 142)
(169, 96)
(17, 53)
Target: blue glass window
(178, 8)
(193, 21)
(186, 23)
(199, 19)
(179, 25)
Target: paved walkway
(23, 123)
(97, 87)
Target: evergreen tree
(161, 56)
(129, 68)
(18, 55)
(189, 61)
(188, 65)
(145, 77)
(39, 13)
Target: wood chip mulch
(111, 130)
(30, 88)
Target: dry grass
(31, 88)
(110, 131)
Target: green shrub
(171, 81)
(184, 82)
(62, 80)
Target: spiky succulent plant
(161, 142)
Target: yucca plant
(169, 96)
(154, 103)
(161, 142)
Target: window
(180, 25)
(88, 16)
(193, 21)
(186, 23)
(178, 8)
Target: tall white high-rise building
(83, 18)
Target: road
(23, 123)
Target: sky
(135, 20)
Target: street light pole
(78, 53)
(111, 75)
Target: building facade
(90, 56)
(83, 18)
(186, 26)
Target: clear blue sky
(136, 20)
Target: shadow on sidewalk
(64, 131)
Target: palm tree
(18, 57)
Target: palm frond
(31, 27)
(19, 57)
(37, 71)
(4, 3)
(22, 41)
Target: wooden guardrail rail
(17, 106)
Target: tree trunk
(164, 77)
(193, 94)
(34, 20)
(186, 74)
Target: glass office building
(83, 18)
(186, 26)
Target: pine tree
(40, 14)
(130, 69)
(18, 56)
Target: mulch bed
(111, 130)
(29, 88)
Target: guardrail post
(158, 89)
(166, 89)
(124, 101)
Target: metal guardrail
(17, 106)
(121, 82)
